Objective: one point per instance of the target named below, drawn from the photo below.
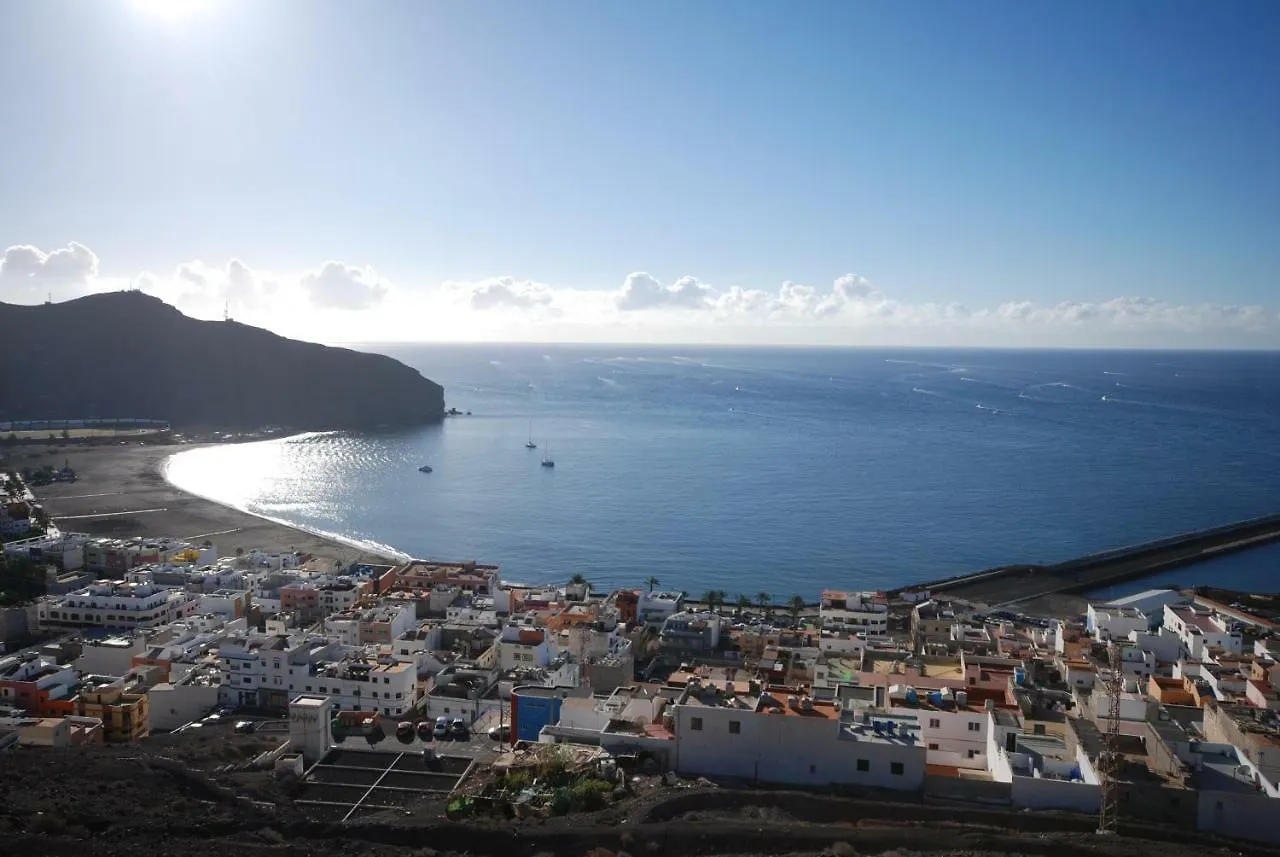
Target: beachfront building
(784, 736)
(115, 604)
(865, 613)
(653, 608)
(420, 574)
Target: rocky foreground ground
(135, 800)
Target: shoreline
(122, 491)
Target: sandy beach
(121, 491)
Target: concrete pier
(1011, 585)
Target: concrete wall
(13, 623)
(1241, 815)
(1038, 793)
(174, 705)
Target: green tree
(21, 581)
(714, 599)
(577, 580)
(744, 603)
(795, 607)
(653, 583)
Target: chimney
(989, 705)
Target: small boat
(529, 444)
(546, 458)
(426, 468)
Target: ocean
(787, 471)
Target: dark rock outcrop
(129, 355)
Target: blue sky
(1024, 164)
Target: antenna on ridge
(49, 299)
(226, 311)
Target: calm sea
(787, 471)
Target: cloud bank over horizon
(337, 301)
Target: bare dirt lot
(163, 798)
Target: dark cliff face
(129, 355)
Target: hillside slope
(129, 355)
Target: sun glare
(170, 10)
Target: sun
(170, 10)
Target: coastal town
(427, 688)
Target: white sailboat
(546, 458)
(530, 444)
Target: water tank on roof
(1019, 676)
(962, 698)
(912, 697)
(793, 700)
(935, 698)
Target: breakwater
(1013, 584)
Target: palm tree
(713, 598)
(653, 582)
(795, 606)
(763, 599)
(577, 580)
(744, 603)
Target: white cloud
(640, 291)
(850, 311)
(29, 271)
(337, 285)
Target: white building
(782, 738)
(653, 608)
(111, 655)
(865, 613)
(115, 605)
(1201, 630)
(522, 646)
(185, 700)
(954, 729)
(1115, 623)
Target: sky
(1002, 173)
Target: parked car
(500, 733)
(459, 730)
(425, 730)
(442, 729)
(245, 727)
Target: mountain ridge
(117, 355)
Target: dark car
(425, 731)
(458, 730)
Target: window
(864, 765)
(975, 727)
(933, 746)
(896, 768)
(972, 753)
(935, 723)
(735, 727)
(386, 681)
(695, 723)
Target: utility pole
(1109, 767)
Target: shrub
(591, 794)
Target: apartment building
(865, 613)
(1201, 630)
(117, 604)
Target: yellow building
(123, 708)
